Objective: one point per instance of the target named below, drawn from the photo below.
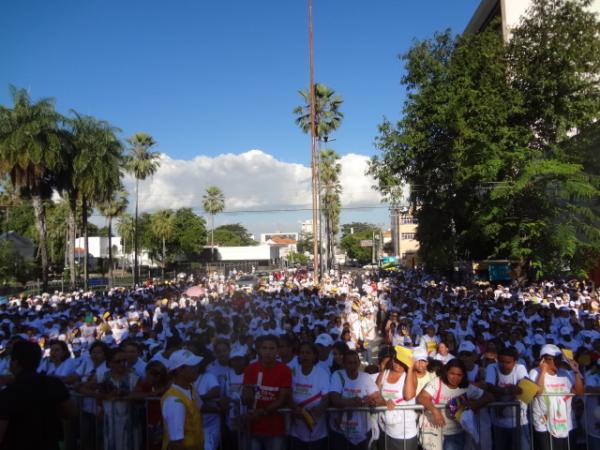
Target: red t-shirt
(268, 381)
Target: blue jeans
(454, 441)
(267, 442)
(505, 438)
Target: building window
(408, 220)
(408, 236)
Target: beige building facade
(510, 12)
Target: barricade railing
(136, 423)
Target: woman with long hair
(451, 385)
(310, 389)
(396, 383)
(59, 363)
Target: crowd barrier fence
(136, 424)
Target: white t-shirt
(494, 376)
(173, 412)
(64, 369)
(444, 358)
(441, 393)
(204, 383)
(220, 372)
(592, 406)
(308, 391)
(86, 369)
(353, 425)
(553, 413)
(234, 390)
(401, 424)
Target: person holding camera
(551, 408)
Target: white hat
(466, 346)
(183, 358)
(324, 339)
(565, 331)
(550, 350)
(419, 354)
(237, 352)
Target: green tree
(233, 234)
(328, 117)
(21, 219)
(189, 235)
(305, 243)
(126, 229)
(162, 223)
(111, 209)
(95, 170)
(297, 258)
(57, 214)
(357, 227)
(350, 241)
(213, 202)
(31, 149)
(141, 163)
(330, 198)
(489, 178)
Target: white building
(510, 12)
(261, 254)
(98, 248)
(266, 237)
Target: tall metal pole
(313, 144)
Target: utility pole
(313, 144)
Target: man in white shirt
(178, 404)
(501, 380)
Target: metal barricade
(115, 424)
(379, 437)
(137, 424)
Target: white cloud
(253, 180)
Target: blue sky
(214, 77)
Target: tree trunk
(212, 236)
(110, 258)
(85, 243)
(135, 236)
(164, 261)
(40, 223)
(72, 237)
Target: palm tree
(141, 163)
(126, 229)
(213, 203)
(31, 152)
(331, 190)
(328, 118)
(97, 155)
(112, 208)
(162, 223)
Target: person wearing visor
(551, 408)
(181, 416)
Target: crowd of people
(291, 364)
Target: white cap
(419, 354)
(550, 350)
(565, 331)
(237, 352)
(466, 346)
(324, 339)
(183, 358)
